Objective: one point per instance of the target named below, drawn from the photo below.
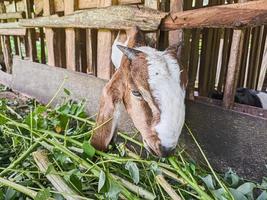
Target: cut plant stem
(166, 186)
(41, 159)
(19, 188)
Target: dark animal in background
(245, 96)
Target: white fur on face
(263, 97)
(164, 81)
(116, 54)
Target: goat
(151, 85)
(245, 96)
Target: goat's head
(151, 84)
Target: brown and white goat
(151, 85)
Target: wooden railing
(78, 35)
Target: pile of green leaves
(125, 172)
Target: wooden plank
(82, 4)
(225, 57)
(263, 71)
(244, 59)
(233, 69)
(71, 46)
(50, 36)
(6, 46)
(30, 34)
(17, 32)
(17, 40)
(104, 47)
(177, 35)
(11, 25)
(12, 15)
(20, 7)
(152, 38)
(58, 6)
(7, 52)
(234, 16)
(113, 17)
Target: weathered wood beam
(10, 25)
(17, 31)
(225, 16)
(113, 17)
(233, 69)
(84, 4)
(12, 15)
(71, 39)
(104, 47)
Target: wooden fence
(64, 33)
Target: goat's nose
(167, 151)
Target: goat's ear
(108, 114)
(130, 53)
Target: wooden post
(263, 70)
(71, 39)
(227, 41)
(6, 47)
(194, 58)
(18, 37)
(104, 44)
(31, 34)
(152, 38)
(233, 69)
(50, 35)
(177, 35)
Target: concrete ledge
(42, 82)
(5, 78)
(229, 138)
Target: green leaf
(264, 183)
(76, 182)
(247, 189)
(102, 180)
(50, 168)
(1, 195)
(219, 194)
(232, 178)
(3, 120)
(88, 149)
(208, 182)
(43, 194)
(114, 191)
(133, 171)
(237, 194)
(10, 194)
(263, 196)
(67, 92)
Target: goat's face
(151, 85)
(154, 97)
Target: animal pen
(225, 47)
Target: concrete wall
(229, 138)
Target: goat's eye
(136, 93)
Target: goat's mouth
(164, 152)
(150, 150)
